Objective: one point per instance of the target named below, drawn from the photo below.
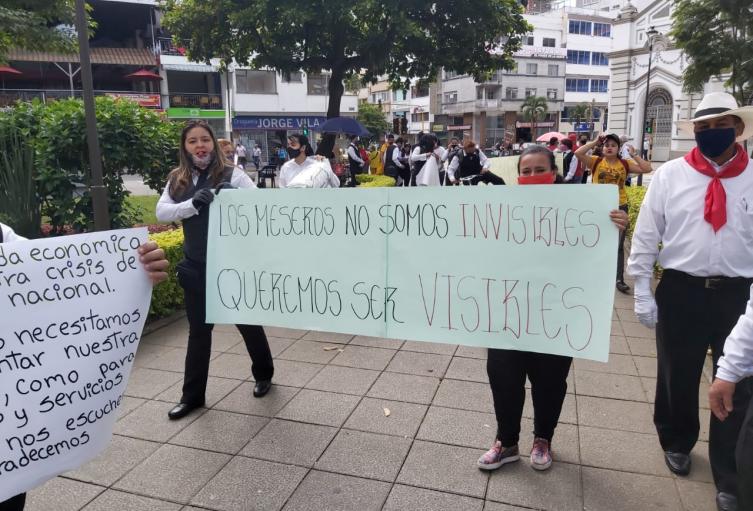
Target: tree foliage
(579, 113)
(717, 35)
(534, 109)
(372, 117)
(30, 24)
(401, 39)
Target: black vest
(470, 164)
(389, 165)
(196, 227)
(355, 167)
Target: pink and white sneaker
(541, 454)
(498, 456)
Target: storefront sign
(277, 122)
(145, 100)
(584, 126)
(437, 128)
(194, 113)
(542, 124)
(458, 128)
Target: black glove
(223, 186)
(203, 197)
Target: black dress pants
(621, 251)
(744, 457)
(192, 277)
(16, 503)
(507, 370)
(695, 313)
(488, 178)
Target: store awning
(191, 68)
(123, 56)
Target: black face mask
(293, 153)
(713, 142)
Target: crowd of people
(696, 222)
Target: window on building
(602, 29)
(579, 27)
(256, 82)
(551, 94)
(553, 70)
(419, 117)
(576, 85)
(599, 85)
(511, 93)
(550, 42)
(532, 69)
(578, 57)
(419, 91)
(451, 97)
(528, 40)
(317, 84)
(295, 77)
(530, 91)
(398, 95)
(599, 59)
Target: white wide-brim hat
(719, 104)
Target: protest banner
(525, 267)
(72, 311)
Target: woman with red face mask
(508, 369)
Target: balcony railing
(10, 96)
(481, 105)
(166, 46)
(205, 101)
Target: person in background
(364, 154)
(186, 197)
(427, 155)
(453, 149)
(570, 164)
(239, 156)
(375, 164)
(471, 163)
(227, 151)
(553, 144)
(611, 169)
(257, 156)
(584, 171)
(303, 164)
(626, 149)
(355, 162)
(508, 369)
(393, 164)
(156, 265)
(698, 209)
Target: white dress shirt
(672, 214)
(353, 154)
(290, 169)
(9, 235)
(170, 211)
(573, 167)
(737, 362)
(455, 163)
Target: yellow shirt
(375, 162)
(382, 150)
(610, 174)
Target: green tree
(372, 117)
(400, 39)
(534, 109)
(717, 35)
(579, 113)
(30, 24)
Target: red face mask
(547, 178)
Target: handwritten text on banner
(526, 267)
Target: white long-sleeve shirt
(570, 174)
(353, 154)
(737, 362)
(291, 169)
(9, 235)
(395, 157)
(455, 163)
(170, 211)
(672, 214)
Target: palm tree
(578, 113)
(534, 109)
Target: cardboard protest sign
(71, 314)
(526, 267)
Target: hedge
(167, 297)
(635, 196)
(374, 181)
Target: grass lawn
(146, 204)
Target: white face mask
(202, 162)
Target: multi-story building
(407, 111)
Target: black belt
(715, 282)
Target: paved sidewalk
(321, 439)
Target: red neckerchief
(715, 209)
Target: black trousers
(693, 317)
(192, 277)
(744, 457)
(507, 370)
(621, 251)
(489, 178)
(16, 503)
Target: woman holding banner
(508, 369)
(155, 263)
(187, 197)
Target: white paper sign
(71, 314)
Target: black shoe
(726, 501)
(622, 287)
(678, 462)
(181, 410)
(262, 387)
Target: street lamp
(650, 33)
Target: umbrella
(143, 74)
(7, 70)
(346, 125)
(552, 134)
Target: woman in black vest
(187, 197)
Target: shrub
(373, 181)
(635, 196)
(167, 297)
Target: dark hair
(391, 135)
(567, 143)
(180, 176)
(426, 143)
(304, 141)
(553, 140)
(538, 149)
(399, 140)
(613, 137)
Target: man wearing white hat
(699, 209)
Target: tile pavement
(322, 439)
